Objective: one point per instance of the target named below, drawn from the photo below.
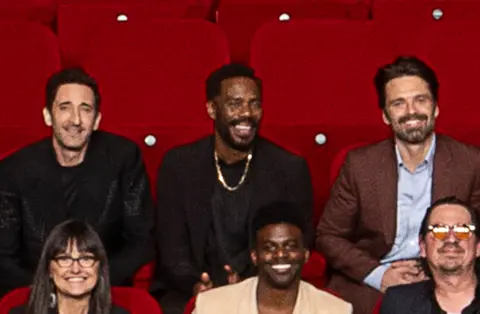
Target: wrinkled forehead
(450, 214)
(279, 232)
(239, 86)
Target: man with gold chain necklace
(209, 190)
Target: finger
(405, 263)
(228, 269)
(205, 278)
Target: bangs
(75, 234)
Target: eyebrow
(403, 98)
(67, 102)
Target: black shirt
(227, 242)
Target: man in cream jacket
(279, 252)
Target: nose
(411, 107)
(246, 110)
(75, 117)
(280, 253)
(75, 268)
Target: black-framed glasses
(461, 232)
(67, 261)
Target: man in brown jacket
(369, 230)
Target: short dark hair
(227, 71)
(278, 213)
(75, 75)
(451, 200)
(405, 66)
(87, 240)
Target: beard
(66, 143)
(415, 135)
(224, 131)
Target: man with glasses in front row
(449, 244)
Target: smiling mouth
(281, 268)
(76, 279)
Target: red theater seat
(29, 55)
(425, 10)
(451, 48)
(318, 89)
(339, 160)
(152, 79)
(135, 301)
(79, 21)
(242, 18)
(40, 11)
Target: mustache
(250, 121)
(414, 116)
(449, 246)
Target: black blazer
(418, 298)
(185, 185)
(113, 196)
(21, 310)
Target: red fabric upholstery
(79, 21)
(318, 81)
(29, 55)
(13, 299)
(152, 79)
(378, 305)
(339, 159)
(422, 10)
(40, 11)
(135, 301)
(143, 277)
(153, 73)
(242, 18)
(438, 43)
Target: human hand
(204, 284)
(232, 276)
(402, 272)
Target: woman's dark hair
(86, 240)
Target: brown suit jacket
(358, 226)
(241, 298)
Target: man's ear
(47, 116)
(211, 109)
(98, 119)
(254, 257)
(307, 255)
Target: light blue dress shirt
(414, 195)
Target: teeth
(76, 279)
(242, 127)
(281, 266)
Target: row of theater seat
(76, 20)
(318, 81)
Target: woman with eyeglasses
(72, 274)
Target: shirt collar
(428, 157)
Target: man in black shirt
(209, 190)
(78, 173)
(450, 246)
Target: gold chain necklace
(242, 179)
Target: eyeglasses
(83, 261)
(461, 232)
